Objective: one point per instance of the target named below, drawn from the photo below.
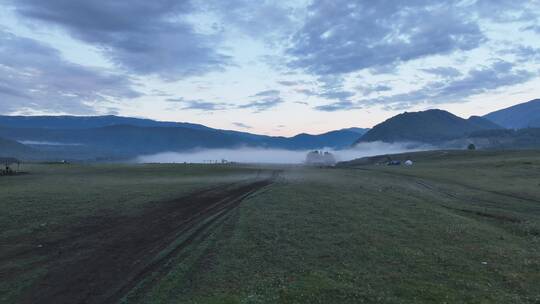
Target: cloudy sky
(271, 67)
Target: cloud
(198, 104)
(338, 106)
(307, 92)
(479, 80)
(262, 104)
(288, 83)
(497, 75)
(160, 93)
(272, 21)
(271, 93)
(242, 125)
(446, 72)
(505, 11)
(292, 83)
(328, 40)
(535, 28)
(522, 54)
(332, 88)
(343, 36)
(336, 94)
(264, 100)
(369, 89)
(35, 77)
(144, 37)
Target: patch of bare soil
(124, 250)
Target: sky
(267, 67)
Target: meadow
(456, 227)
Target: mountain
(360, 131)
(112, 137)
(431, 126)
(125, 139)
(527, 138)
(10, 148)
(87, 122)
(483, 123)
(118, 141)
(524, 115)
(339, 139)
(334, 139)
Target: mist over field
(47, 143)
(277, 156)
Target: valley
(262, 152)
(457, 226)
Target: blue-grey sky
(272, 67)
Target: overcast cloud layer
(33, 74)
(141, 36)
(248, 59)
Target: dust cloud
(276, 156)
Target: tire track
(423, 183)
(215, 214)
(131, 249)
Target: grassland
(457, 227)
(58, 214)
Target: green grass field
(457, 227)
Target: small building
(7, 165)
(408, 162)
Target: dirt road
(123, 250)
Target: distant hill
(431, 126)
(528, 138)
(87, 122)
(438, 157)
(334, 139)
(112, 137)
(483, 123)
(133, 139)
(360, 131)
(119, 141)
(11, 148)
(524, 115)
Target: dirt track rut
(130, 248)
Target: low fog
(47, 143)
(277, 156)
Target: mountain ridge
(431, 126)
(523, 115)
(89, 122)
(98, 137)
(10, 147)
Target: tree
(471, 147)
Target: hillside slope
(338, 139)
(119, 140)
(528, 138)
(11, 148)
(83, 140)
(524, 115)
(87, 122)
(431, 126)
